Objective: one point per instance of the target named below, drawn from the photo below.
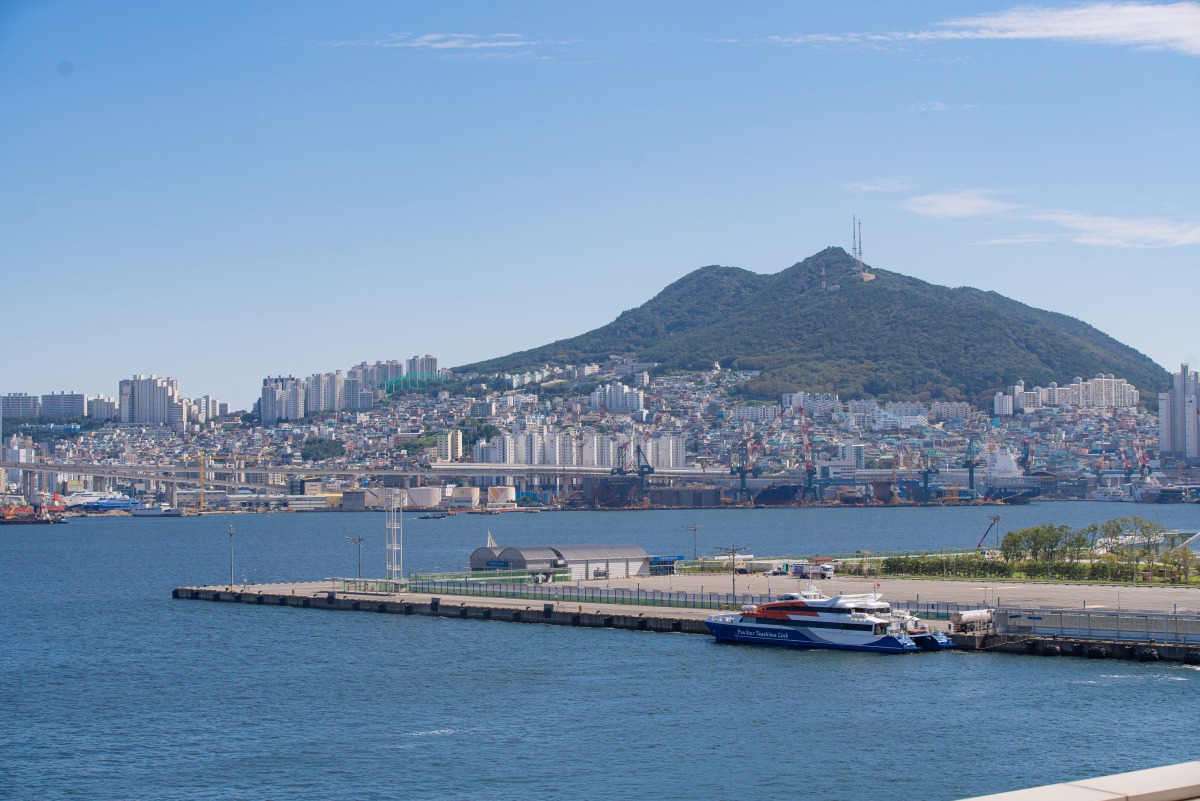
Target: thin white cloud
(879, 185)
(964, 203)
(1019, 239)
(509, 45)
(1123, 232)
(930, 105)
(1163, 26)
(1082, 229)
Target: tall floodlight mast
(394, 522)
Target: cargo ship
(810, 619)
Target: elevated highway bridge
(221, 474)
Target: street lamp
(359, 542)
(231, 558)
(732, 552)
(695, 549)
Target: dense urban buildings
(593, 416)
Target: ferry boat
(810, 619)
(162, 510)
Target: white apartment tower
(149, 401)
(422, 365)
(1179, 418)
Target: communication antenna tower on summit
(856, 249)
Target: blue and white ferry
(809, 619)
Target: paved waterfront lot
(1070, 596)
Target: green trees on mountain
(893, 337)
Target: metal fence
(935, 611)
(566, 593)
(573, 594)
(1165, 627)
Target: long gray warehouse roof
(592, 553)
(529, 554)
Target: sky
(221, 191)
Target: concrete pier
(1086, 648)
(327, 595)
(318, 595)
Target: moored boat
(810, 619)
(162, 510)
(28, 515)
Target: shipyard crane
(1143, 459)
(971, 461)
(926, 473)
(1127, 465)
(744, 466)
(1025, 460)
(643, 468)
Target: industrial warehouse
(583, 561)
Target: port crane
(927, 473)
(1025, 460)
(743, 467)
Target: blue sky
(220, 191)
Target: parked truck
(812, 571)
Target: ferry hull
(799, 637)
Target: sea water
(111, 689)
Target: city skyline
(226, 192)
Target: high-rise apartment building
(426, 365)
(103, 408)
(18, 404)
(64, 404)
(150, 401)
(617, 397)
(282, 399)
(1179, 418)
(450, 445)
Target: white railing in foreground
(1171, 783)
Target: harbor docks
(1093, 621)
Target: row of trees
(1125, 549)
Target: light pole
(231, 558)
(694, 528)
(732, 552)
(359, 542)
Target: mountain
(892, 337)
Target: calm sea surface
(109, 689)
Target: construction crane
(995, 519)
